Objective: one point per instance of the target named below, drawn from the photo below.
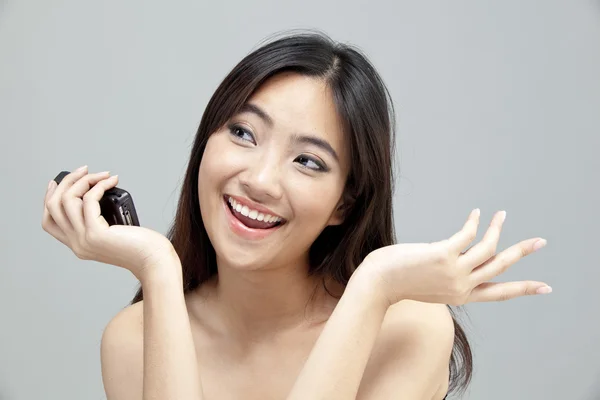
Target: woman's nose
(263, 179)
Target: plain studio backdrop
(498, 107)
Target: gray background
(498, 107)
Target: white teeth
(247, 212)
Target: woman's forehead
(297, 103)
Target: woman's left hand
(72, 215)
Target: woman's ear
(344, 205)
(337, 217)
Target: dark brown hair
(365, 107)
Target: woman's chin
(243, 261)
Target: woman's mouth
(249, 223)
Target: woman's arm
(170, 368)
(409, 361)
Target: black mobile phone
(116, 206)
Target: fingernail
(50, 184)
(544, 290)
(476, 212)
(503, 215)
(80, 169)
(539, 244)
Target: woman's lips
(244, 231)
(250, 204)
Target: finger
(502, 291)
(71, 178)
(501, 261)
(467, 234)
(54, 204)
(49, 190)
(48, 223)
(91, 203)
(72, 199)
(485, 249)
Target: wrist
(164, 269)
(365, 283)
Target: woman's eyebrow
(254, 109)
(296, 138)
(316, 141)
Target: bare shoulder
(413, 325)
(121, 354)
(411, 354)
(421, 317)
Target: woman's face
(272, 178)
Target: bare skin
(250, 332)
(267, 368)
(249, 335)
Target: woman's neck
(259, 305)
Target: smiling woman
(287, 191)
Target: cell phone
(116, 206)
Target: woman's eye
(241, 133)
(311, 163)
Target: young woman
(280, 278)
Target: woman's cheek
(221, 158)
(313, 200)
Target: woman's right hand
(441, 272)
(72, 215)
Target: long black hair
(365, 107)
